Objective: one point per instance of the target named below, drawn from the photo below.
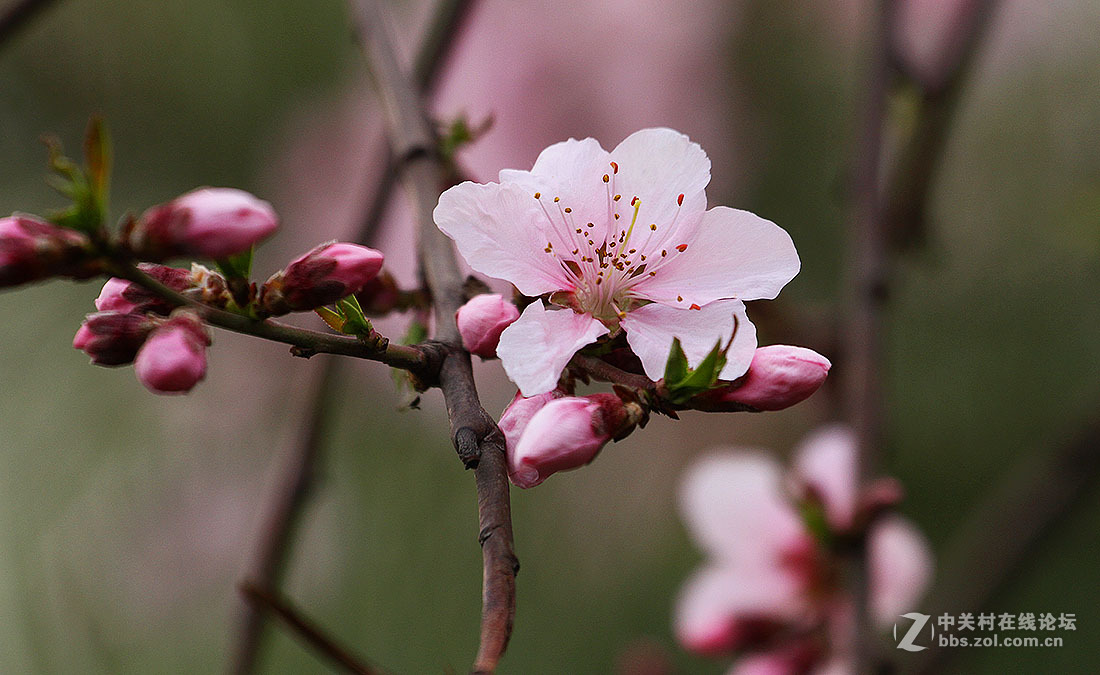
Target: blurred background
(126, 518)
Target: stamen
(680, 200)
(681, 248)
(568, 210)
(679, 298)
(606, 178)
(538, 195)
(694, 306)
(614, 167)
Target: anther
(614, 167)
(557, 199)
(568, 210)
(538, 195)
(617, 197)
(694, 306)
(679, 298)
(606, 178)
(680, 200)
(653, 227)
(681, 248)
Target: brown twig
(605, 372)
(914, 172)
(304, 628)
(296, 475)
(865, 296)
(18, 15)
(305, 342)
(474, 433)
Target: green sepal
(355, 322)
(683, 382)
(812, 512)
(334, 320)
(676, 368)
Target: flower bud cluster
(32, 249)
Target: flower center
(607, 261)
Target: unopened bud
(567, 433)
(119, 295)
(173, 358)
(210, 222)
(519, 413)
(380, 295)
(112, 338)
(322, 276)
(778, 377)
(482, 320)
(32, 249)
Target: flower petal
(826, 462)
(535, 349)
(571, 171)
(901, 566)
(733, 254)
(650, 329)
(717, 601)
(501, 231)
(734, 505)
(657, 166)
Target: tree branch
(474, 433)
(297, 473)
(865, 296)
(304, 628)
(18, 15)
(915, 170)
(305, 342)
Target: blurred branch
(865, 298)
(265, 600)
(18, 15)
(912, 177)
(297, 474)
(1007, 526)
(474, 433)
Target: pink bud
(173, 359)
(120, 295)
(322, 276)
(482, 320)
(565, 433)
(211, 222)
(32, 249)
(519, 413)
(112, 338)
(779, 377)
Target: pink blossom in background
(212, 222)
(768, 571)
(624, 240)
(482, 320)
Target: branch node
(469, 450)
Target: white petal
(715, 597)
(535, 349)
(657, 166)
(826, 461)
(571, 171)
(734, 505)
(501, 231)
(733, 254)
(650, 330)
(901, 566)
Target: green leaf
(813, 516)
(333, 319)
(676, 368)
(355, 322)
(97, 160)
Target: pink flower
(482, 320)
(320, 277)
(32, 249)
(112, 338)
(778, 377)
(120, 295)
(768, 572)
(211, 222)
(546, 434)
(624, 241)
(173, 359)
